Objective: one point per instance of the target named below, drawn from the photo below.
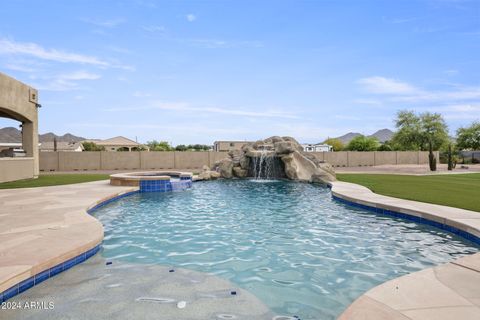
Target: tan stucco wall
(357, 159)
(70, 161)
(338, 159)
(385, 157)
(373, 158)
(191, 160)
(157, 160)
(91, 160)
(19, 102)
(120, 160)
(12, 169)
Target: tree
(468, 138)
(434, 132)
(386, 146)
(336, 144)
(426, 131)
(181, 147)
(408, 136)
(155, 145)
(362, 143)
(92, 146)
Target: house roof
(61, 146)
(232, 141)
(118, 141)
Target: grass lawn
(454, 190)
(53, 180)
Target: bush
(92, 146)
(362, 143)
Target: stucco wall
(70, 161)
(357, 159)
(120, 160)
(157, 160)
(373, 158)
(12, 169)
(90, 160)
(385, 157)
(338, 159)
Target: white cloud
(191, 17)
(382, 85)
(66, 81)
(455, 94)
(187, 108)
(80, 75)
(398, 91)
(10, 47)
(34, 50)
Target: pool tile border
(444, 226)
(65, 265)
(460, 222)
(47, 274)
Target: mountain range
(382, 136)
(12, 135)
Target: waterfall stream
(266, 166)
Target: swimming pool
(290, 244)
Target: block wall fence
(144, 160)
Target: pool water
(298, 250)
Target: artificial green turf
(53, 180)
(454, 190)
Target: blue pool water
(293, 246)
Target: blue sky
(199, 71)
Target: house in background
(229, 145)
(61, 146)
(120, 144)
(318, 147)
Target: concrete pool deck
(447, 292)
(42, 227)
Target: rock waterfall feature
(275, 158)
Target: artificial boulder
(207, 174)
(226, 168)
(295, 164)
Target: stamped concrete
(449, 291)
(42, 227)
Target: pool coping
(393, 299)
(26, 279)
